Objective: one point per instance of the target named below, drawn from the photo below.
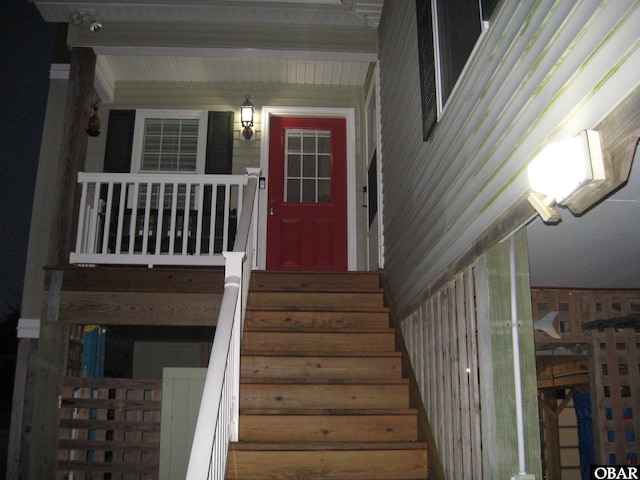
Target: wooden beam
(131, 279)
(619, 135)
(496, 359)
(73, 151)
(140, 308)
(562, 371)
(171, 38)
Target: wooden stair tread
(322, 392)
(316, 308)
(334, 446)
(324, 381)
(331, 330)
(328, 411)
(303, 353)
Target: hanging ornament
(93, 127)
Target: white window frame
(441, 104)
(138, 137)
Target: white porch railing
(217, 423)
(154, 219)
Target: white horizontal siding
(544, 70)
(43, 201)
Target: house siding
(44, 200)
(542, 71)
(224, 97)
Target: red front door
(307, 195)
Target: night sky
(27, 46)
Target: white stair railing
(157, 219)
(217, 423)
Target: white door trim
(350, 116)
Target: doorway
(307, 215)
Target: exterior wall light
(565, 173)
(246, 118)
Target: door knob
(271, 212)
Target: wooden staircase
(322, 393)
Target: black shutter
(219, 143)
(117, 155)
(219, 161)
(427, 67)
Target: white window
(169, 141)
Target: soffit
(232, 70)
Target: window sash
(307, 172)
(169, 141)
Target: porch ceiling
(128, 68)
(308, 42)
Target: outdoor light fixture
(563, 174)
(77, 17)
(93, 127)
(246, 118)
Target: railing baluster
(199, 203)
(160, 218)
(225, 218)
(122, 206)
(106, 224)
(134, 218)
(80, 244)
(145, 223)
(185, 218)
(214, 216)
(174, 214)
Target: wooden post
(72, 154)
(549, 410)
(497, 386)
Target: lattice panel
(74, 358)
(109, 429)
(615, 372)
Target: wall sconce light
(246, 118)
(77, 17)
(93, 127)
(565, 173)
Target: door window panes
(307, 166)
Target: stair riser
(327, 465)
(320, 367)
(318, 342)
(311, 396)
(332, 320)
(320, 281)
(332, 300)
(334, 428)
